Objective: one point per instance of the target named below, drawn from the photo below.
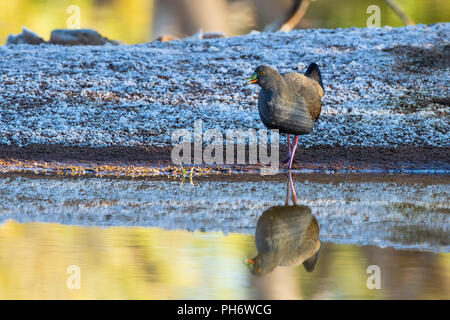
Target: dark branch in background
(298, 10)
(292, 17)
(396, 8)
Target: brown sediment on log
(156, 161)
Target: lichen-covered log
(384, 87)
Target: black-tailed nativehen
(285, 236)
(289, 102)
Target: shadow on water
(286, 236)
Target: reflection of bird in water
(286, 236)
(289, 102)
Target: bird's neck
(271, 259)
(277, 87)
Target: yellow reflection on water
(151, 263)
(115, 262)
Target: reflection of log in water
(286, 236)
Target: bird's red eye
(262, 73)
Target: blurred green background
(137, 21)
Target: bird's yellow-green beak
(253, 78)
(250, 263)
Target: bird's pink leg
(294, 146)
(288, 187)
(289, 144)
(286, 161)
(291, 188)
(294, 194)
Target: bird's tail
(313, 72)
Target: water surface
(151, 263)
(315, 237)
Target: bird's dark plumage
(313, 72)
(286, 236)
(289, 102)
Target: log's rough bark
(383, 87)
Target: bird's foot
(286, 161)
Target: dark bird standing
(289, 102)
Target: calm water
(141, 239)
(151, 263)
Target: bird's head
(262, 264)
(265, 76)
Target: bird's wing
(308, 89)
(303, 85)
